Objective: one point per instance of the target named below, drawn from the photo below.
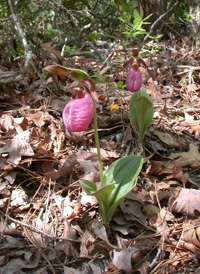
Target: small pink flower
(134, 79)
(78, 113)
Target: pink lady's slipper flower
(134, 79)
(78, 113)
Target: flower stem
(97, 144)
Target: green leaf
(136, 21)
(119, 179)
(123, 173)
(148, 16)
(37, 14)
(137, 15)
(49, 27)
(93, 35)
(141, 111)
(102, 195)
(120, 84)
(89, 187)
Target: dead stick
(36, 229)
(22, 36)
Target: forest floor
(47, 223)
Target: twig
(156, 259)
(4, 19)
(189, 67)
(108, 57)
(64, 8)
(6, 220)
(11, 79)
(22, 36)
(37, 230)
(156, 192)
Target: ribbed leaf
(141, 111)
(123, 173)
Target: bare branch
(22, 36)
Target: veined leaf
(137, 15)
(141, 111)
(89, 187)
(124, 173)
(102, 195)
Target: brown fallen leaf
(70, 270)
(19, 200)
(195, 129)
(190, 158)
(194, 125)
(169, 139)
(187, 202)
(192, 234)
(122, 259)
(132, 206)
(126, 260)
(13, 151)
(48, 49)
(37, 117)
(152, 212)
(17, 264)
(47, 168)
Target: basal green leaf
(102, 195)
(123, 173)
(141, 111)
(89, 187)
(81, 72)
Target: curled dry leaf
(152, 212)
(122, 259)
(169, 139)
(196, 130)
(192, 235)
(126, 259)
(132, 208)
(12, 152)
(19, 200)
(187, 202)
(47, 168)
(190, 158)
